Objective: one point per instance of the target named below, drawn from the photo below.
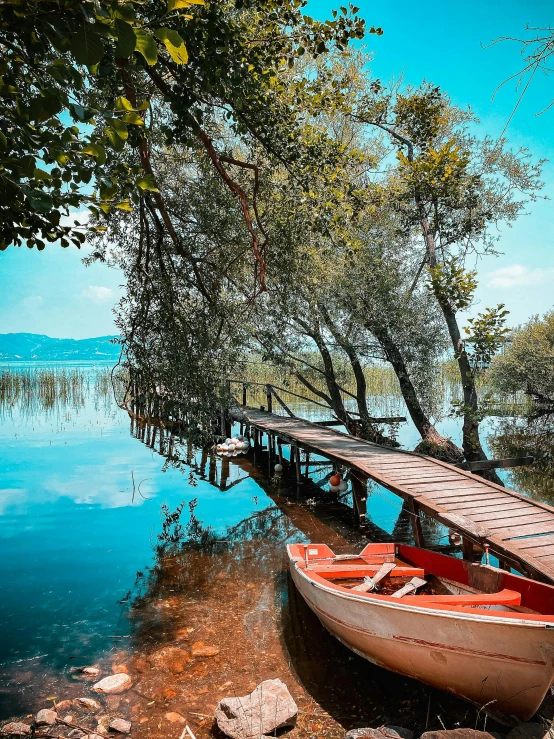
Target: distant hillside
(44, 348)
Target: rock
(16, 728)
(63, 705)
(170, 658)
(175, 718)
(270, 706)
(456, 734)
(383, 732)
(120, 725)
(199, 649)
(530, 731)
(94, 736)
(89, 703)
(113, 701)
(46, 717)
(118, 683)
(91, 671)
(120, 668)
(75, 734)
(68, 719)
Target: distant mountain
(44, 348)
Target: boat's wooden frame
(492, 644)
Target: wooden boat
(473, 630)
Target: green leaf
(120, 128)
(107, 189)
(126, 39)
(133, 118)
(177, 4)
(117, 143)
(40, 201)
(124, 205)
(174, 44)
(147, 182)
(82, 114)
(86, 46)
(146, 46)
(123, 104)
(40, 174)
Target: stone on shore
(118, 683)
(531, 731)
(16, 728)
(170, 658)
(46, 717)
(383, 732)
(63, 705)
(89, 703)
(76, 734)
(94, 736)
(120, 725)
(269, 707)
(457, 734)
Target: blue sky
(52, 292)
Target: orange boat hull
(503, 665)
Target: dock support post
(359, 494)
(467, 549)
(280, 450)
(269, 399)
(244, 389)
(297, 465)
(415, 520)
(307, 475)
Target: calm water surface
(80, 502)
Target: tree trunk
(433, 443)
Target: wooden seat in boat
(503, 598)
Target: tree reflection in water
(531, 436)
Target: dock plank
(517, 528)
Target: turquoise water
(80, 501)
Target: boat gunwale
(409, 603)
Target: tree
(527, 363)
(112, 67)
(454, 187)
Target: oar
(370, 583)
(410, 587)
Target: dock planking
(518, 530)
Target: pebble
(46, 717)
(89, 703)
(199, 649)
(175, 718)
(456, 734)
(120, 668)
(118, 683)
(16, 728)
(383, 732)
(63, 705)
(92, 670)
(94, 736)
(75, 734)
(120, 725)
(68, 719)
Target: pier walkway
(518, 530)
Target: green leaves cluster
(451, 283)
(487, 333)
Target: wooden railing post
(415, 520)
(269, 398)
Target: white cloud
(33, 301)
(98, 293)
(516, 275)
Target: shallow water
(83, 579)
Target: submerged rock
(175, 718)
(383, 732)
(89, 703)
(118, 683)
(120, 725)
(76, 734)
(16, 728)
(269, 707)
(46, 717)
(199, 649)
(457, 734)
(63, 705)
(170, 658)
(91, 671)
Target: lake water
(82, 575)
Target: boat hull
(505, 667)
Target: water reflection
(532, 436)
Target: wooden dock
(518, 530)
